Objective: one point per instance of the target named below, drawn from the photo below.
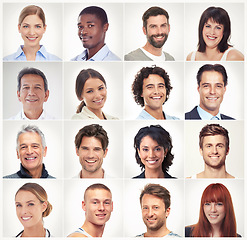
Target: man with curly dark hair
(151, 89)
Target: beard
(154, 227)
(152, 41)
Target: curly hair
(162, 137)
(137, 86)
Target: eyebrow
(79, 23)
(152, 84)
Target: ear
(105, 153)
(169, 28)
(18, 95)
(168, 210)
(77, 151)
(17, 154)
(19, 27)
(165, 151)
(45, 151)
(45, 28)
(201, 151)
(138, 152)
(227, 151)
(83, 205)
(198, 88)
(105, 27)
(111, 206)
(144, 30)
(44, 206)
(46, 95)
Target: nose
(91, 153)
(29, 149)
(31, 91)
(31, 31)
(101, 207)
(212, 90)
(214, 149)
(83, 31)
(213, 207)
(150, 153)
(150, 212)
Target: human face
(212, 33)
(154, 212)
(94, 94)
(91, 154)
(32, 93)
(30, 151)
(98, 206)
(157, 30)
(91, 31)
(151, 154)
(29, 209)
(211, 91)
(154, 92)
(214, 150)
(32, 30)
(214, 212)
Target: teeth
(211, 38)
(151, 161)
(211, 98)
(98, 101)
(30, 158)
(92, 161)
(156, 97)
(34, 38)
(26, 218)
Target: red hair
(216, 192)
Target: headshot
(151, 89)
(212, 150)
(157, 208)
(32, 151)
(214, 33)
(94, 91)
(91, 90)
(31, 208)
(92, 25)
(93, 208)
(153, 152)
(217, 212)
(32, 92)
(212, 88)
(92, 149)
(32, 25)
(156, 29)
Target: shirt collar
(41, 117)
(23, 173)
(42, 52)
(204, 115)
(101, 54)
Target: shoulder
(142, 175)
(188, 58)
(225, 117)
(76, 234)
(84, 114)
(136, 55)
(172, 234)
(193, 114)
(234, 55)
(111, 57)
(168, 117)
(14, 175)
(109, 117)
(169, 57)
(188, 231)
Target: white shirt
(21, 116)
(153, 57)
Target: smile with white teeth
(212, 98)
(25, 218)
(211, 38)
(31, 38)
(152, 161)
(156, 98)
(31, 100)
(30, 158)
(90, 161)
(98, 101)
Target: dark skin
(91, 32)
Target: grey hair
(31, 128)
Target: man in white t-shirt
(156, 27)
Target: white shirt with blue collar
(104, 54)
(204, 115)
(41, 55)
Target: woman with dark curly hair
(151, 89)
(153, 147)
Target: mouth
(31, 100)
(151, 220)
(32, 38)
(26, 218)
(156, 98)
(30, 158)
(211, 38)
(99, 101)
(101, 215)
(159, 37)
(213, 216)
(91, 161)
(152, 161)
(212, 98)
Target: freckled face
(215, 212)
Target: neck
(35, 231)
(36, 173)
(93, 229)
(213, 112)
(216, 230)
(33, 114)
(92, 51)
(163, 231)
(210, 172)
(97, 174)
(213, 54)
(156, 113)
(154, 173)
(30, 52)
(153, 50)
(97, 112)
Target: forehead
(212, 21)
(29, 79)
(100, 194)
(214, 139)
(23, 195)
(91, 141)
(93, 83)
(148, 141)
(149, 199)
(212, 76)
(89, 18)
(34, 18)
(29, 137)
(159, 19)
(153, 79)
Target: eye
(18, 205)
(31, 204)
(207, 204)
(145, 149)
(90, 25)
(89, 91)
(219, 204)
(101, 88)
(158, 149)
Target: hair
(220, 16)
(33, 129)
(212, 130)
(153, 12)
(157, 191)
(96, 186)
(32, 71)
(40, 193)
(210, 68)
(216, 192)
(32, 10)
(93, 130)
(97, 11)
(81, 79)
(162, 137)
(137, 86)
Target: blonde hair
(40, 193)
(32, 10)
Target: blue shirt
(144, 115)
(41, 55)
(204, 115)
(104, 54)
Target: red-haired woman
(217, 217)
